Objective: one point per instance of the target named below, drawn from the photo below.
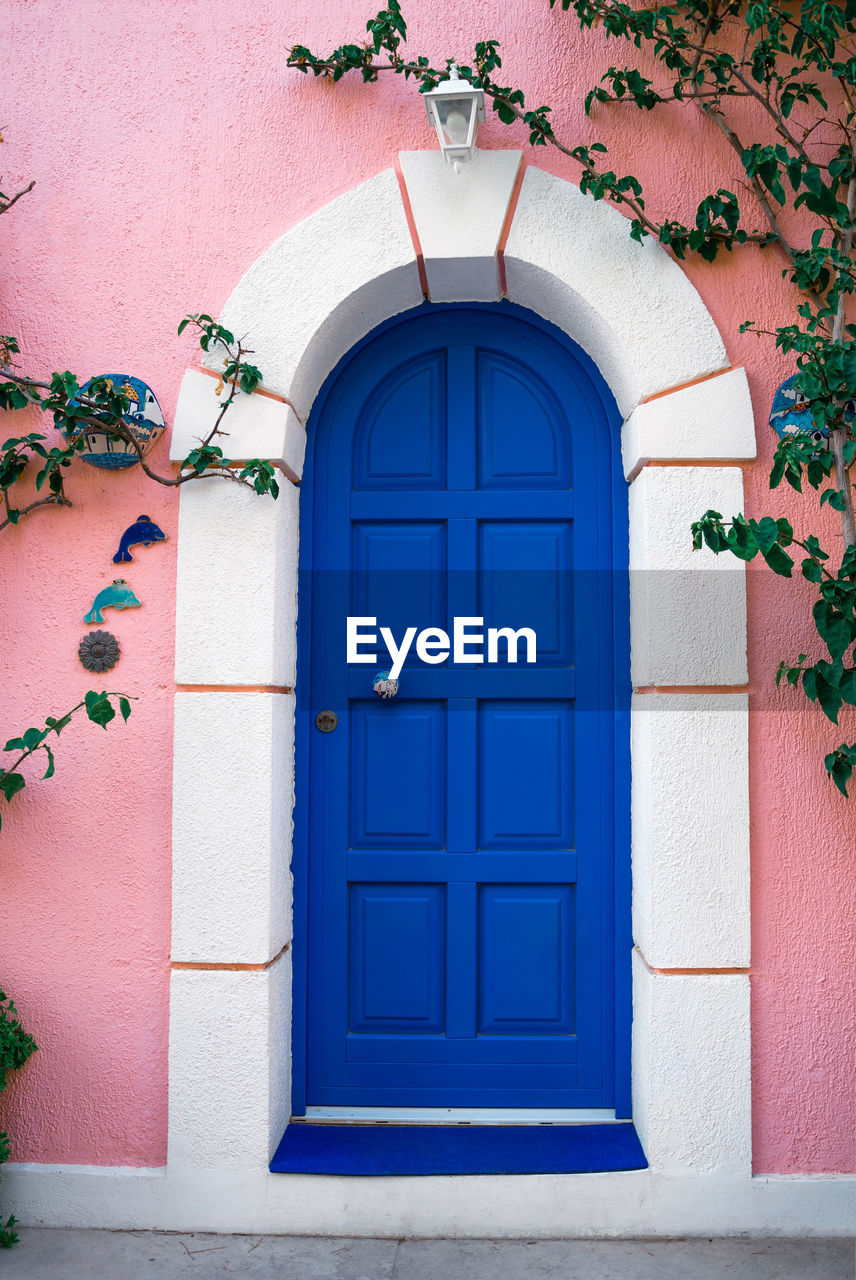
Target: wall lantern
(456, 109)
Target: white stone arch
(321, 287)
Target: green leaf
(766, 533)
(839, 765)
(847, 686)
(778, 560)
(834, 628)
(11, 784)
(50, 771)
(814, 548)
(828, 697)
(835, 498)
(125, 708)
(14, 744)
(98, 709)
(786, 532)
(839, 771)
(741, 539)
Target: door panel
(526, 959)
(398, 775)
(510, 394)
(397, 968)
(459, 844)
(384, 455)
(525, 757)
(398, 574)
(525, 581)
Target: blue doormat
(388, 1149)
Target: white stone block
(236, 591)
(459, 219)
(629, 305)
(711, 419)
(255, 426)
(229, 1094)
(231, 844)
(323, 285)
(688, 608)
(691, 1071)
(691, 830)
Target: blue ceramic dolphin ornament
(117, 596)
(143, 530)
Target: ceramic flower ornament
(99, 651)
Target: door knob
(384, 685)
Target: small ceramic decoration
(143, 530)
(99, 651)
(384, 686)
(144, 417)
(790, 414)
(117, 596)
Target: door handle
(384, 685)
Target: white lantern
(456, 109)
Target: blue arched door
(456, 844)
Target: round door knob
(326, 721)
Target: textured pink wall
(170, 146)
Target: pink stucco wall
(170, 147)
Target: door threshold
(390, 1150)
(458, 1115)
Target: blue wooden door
(459, 838)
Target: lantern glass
(455, 117)
(455, 109)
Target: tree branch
(838, 436)
(6, 203)
(759, 192)
(50, 500)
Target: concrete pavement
(51, 1254)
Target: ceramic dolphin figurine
(117, 596)
(143, 530)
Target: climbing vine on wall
(99, 709)
(778, 82)
(16, 1046)
(102, 408)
